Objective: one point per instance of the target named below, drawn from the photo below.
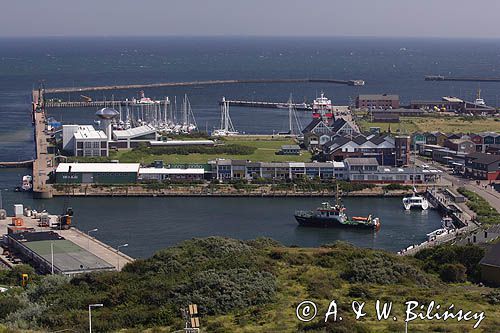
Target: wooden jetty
(200, 83)
(467, 79)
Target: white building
(132, 137)
(161, 174)
(84, 140)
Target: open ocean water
(387, 65)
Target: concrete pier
(80, 239)
(270, 105)
(200, 83)
(465, 79)
(43, 163)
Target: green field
(266, 148)
(410, 125)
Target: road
(489, 194)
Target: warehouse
(97, 173)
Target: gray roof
(338, 124)
(484, 158)
(361, 161)
(492, 257)
(290, 147)
(311, 125)
(378, 97)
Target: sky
(382, 18)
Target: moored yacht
(415, 201)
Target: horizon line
(246, 36)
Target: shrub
(486, 214)
(8, 304)
(468, 256)
(493, 297)
(383, 269)
(397, 187)
(220, 292)
(453, 273)
(360, 291)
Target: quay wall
(203, 191)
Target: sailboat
(226, 125)
(188, 120)
(294, 125)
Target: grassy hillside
(255, 286)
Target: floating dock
(200, 83)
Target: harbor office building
(362, 170)
(365, 170)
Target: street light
(88, 238)
(118, 254)
(90, 314)
(52, 257)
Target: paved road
(488, 193)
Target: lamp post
(88, 238)
(90, 314)
(52, 257)
(118, 254)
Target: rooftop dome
(107, 113)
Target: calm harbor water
(149, 224)
(388, 66)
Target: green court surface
(60, 246)
(68, 257)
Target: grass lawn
(266, 146)
(409, 125)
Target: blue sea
(395, 66)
